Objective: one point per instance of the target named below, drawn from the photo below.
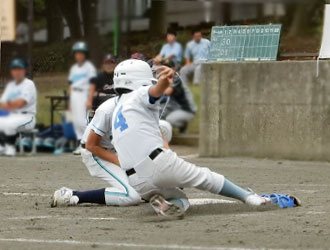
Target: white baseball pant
(13, 123)
(78, 99)
(167, 173)
(120, 192)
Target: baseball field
(28, 222)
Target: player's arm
(92, 90)
(93, 146)
(14, 104)
(165, 78)
(169, 91)
(165, 143)
(157, 59)
(188, 55)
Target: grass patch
(49, 85)
(194, 124)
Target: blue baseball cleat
(283, 200)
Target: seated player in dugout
(180, 109)
(101, 86)
(18, 106)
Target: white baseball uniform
(22, 118)
(120, 192)
(79, 78)
(136, 135)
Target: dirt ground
(28, 222)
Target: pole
(30, 37)
(128, 27)
(115, 34)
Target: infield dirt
(28, 222)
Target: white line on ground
(119, 244)
(209, 201)
(189, 156)
(199, 201)
(60, 218)
(24, 194)
(315, 212)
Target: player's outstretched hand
(165, 73)
(165, 78)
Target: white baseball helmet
(132, 74)
(166, 129)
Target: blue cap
(17, 63)
(80, 46)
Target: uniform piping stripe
(20, 126)
(117, 179)
(98, 129)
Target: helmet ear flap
(121, 91)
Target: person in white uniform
(18, 106)
(155, 172)
(100, 158)
(79, 79)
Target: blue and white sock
(231, 190)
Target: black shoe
(183, 129)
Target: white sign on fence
(325, 46)
(7, 20)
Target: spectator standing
(101, 86)
(79, 79)
(196, 52)
(18, 105)
(172, 50)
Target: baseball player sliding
(100, 158)
(155, 172)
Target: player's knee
(183, 70)
(132, 199)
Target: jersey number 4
(120, 121)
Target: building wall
(266, 109)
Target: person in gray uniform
(181, 107)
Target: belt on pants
(78, 89)
(152, 156)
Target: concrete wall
(266, 109)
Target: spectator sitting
(196, 51)
(101, 86)
(18, 105)
(181, 107)
(172, 50)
